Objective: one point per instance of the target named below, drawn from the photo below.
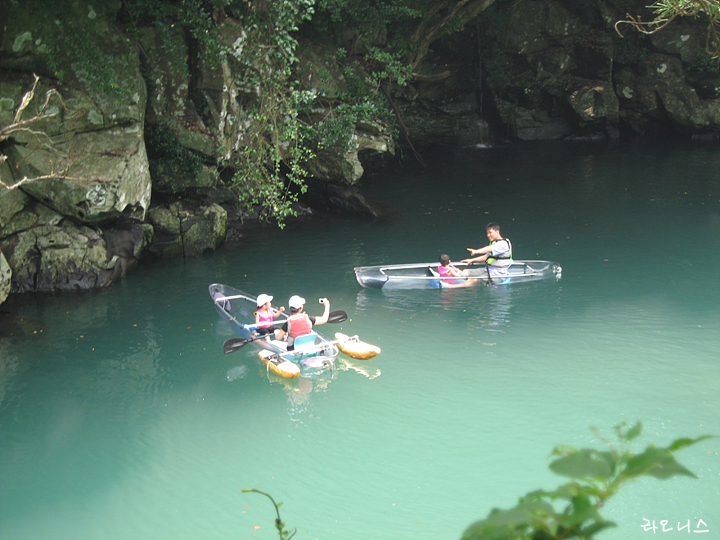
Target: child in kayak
(453, 277)
(265, 314)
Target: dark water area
(120, 416)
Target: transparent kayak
(425, 276)
(238, 309)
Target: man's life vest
(504, 259)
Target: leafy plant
(264, 138)
(665, 12)
(279, 525)
(572, 510)
(169, 156)
(703, 62)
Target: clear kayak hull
(425, 276)
(238, 309)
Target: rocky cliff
(558, 69)
(84, 198)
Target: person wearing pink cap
(300, 323)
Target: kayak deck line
(425, 275)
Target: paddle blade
(337, 316)
(234, 344)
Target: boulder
(53, 257)
(345, 168)
(5, 278)
(12, 203)
(90, 152)
(168, 80)
(108, 179)
(48, 252)
(184, 229)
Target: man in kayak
(497, 256)
(300, 323)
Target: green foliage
(176, 21)
(704, 62)
(572, 510)
(273, 140)
(364, 99)
(78, 33)
(666, 11)
(283, 533)
(174, 160)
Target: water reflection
(300, 390)
(366, 368)
(145, 416)
(495, 314)
(237, 372)
(486, 307)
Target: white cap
(264, 299)
(296, 302)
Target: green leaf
(677, 444)
(584, 463)
(591, 530)
(633, 432)
(582, 510)
(657, 462)
(510, 524)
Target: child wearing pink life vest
(447, 270)
(453, 278)
(265, 314)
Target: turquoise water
(121, 418)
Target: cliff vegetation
(138, 128)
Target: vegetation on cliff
(272, 122)
(664, 12)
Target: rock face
(128, 157)
(557, 69)
(87, 149)
(187, 230)
(5, 278)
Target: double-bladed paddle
(234, 344)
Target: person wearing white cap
(300, 323)
(265, 314)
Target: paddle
(234, 344)
(491, 283)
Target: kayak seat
(308, 341)
(222, 301)
(434, 273)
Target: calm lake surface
(122, 419)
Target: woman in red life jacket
(265, 314)
(300, 323)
